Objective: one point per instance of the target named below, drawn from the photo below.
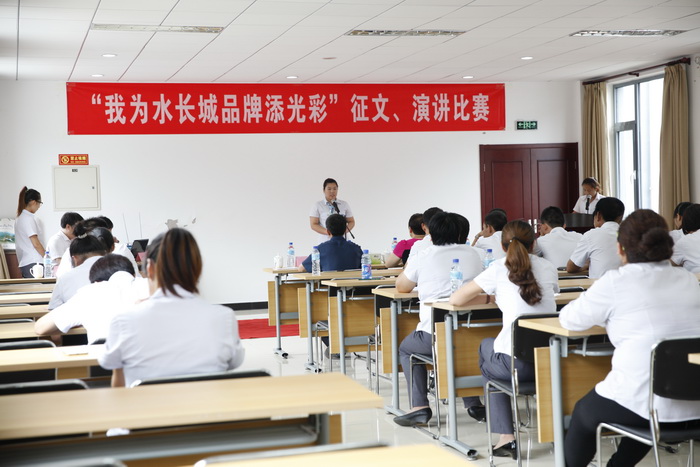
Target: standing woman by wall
(327, 206)
(29, 248)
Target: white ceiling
(268, 40)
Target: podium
(577, 222)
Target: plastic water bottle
(488, 259)
(315, 262)
(291, 258)
(48, 265)
(366, 265)
(455, 275)
(393, 245)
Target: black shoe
(508, 449)
(477, 412)
(419, 417)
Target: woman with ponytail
(174, 332)
(523, 284)
(640, 303)
(29, 249)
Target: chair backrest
(42, 386)
(524, 341)
(672, 376)
(30, 344)
(202, 377)
(16, 320)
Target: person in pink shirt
(416, 232)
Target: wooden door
(524, 179)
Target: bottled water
(455, 275)
(291, 258)
(48, 265)
(393, 245)
(316, 262)
(488, 259)
(366, 265)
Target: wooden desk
(25, 288)
(584, 283)
(26, 331)
(449, 374)
(23, 311)
(397, 299)
(180, 404)
(343, 285)
(419, 455)
(16, 299)
(581, 374)
(43, 280)
(275, 305)
(694, 358)
(49, 357)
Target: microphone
(335, 206)
(588, 202)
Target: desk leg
(278, 349)
(394, 407)
(557, 404)
(310, 362)
(451, 438)
(341, 328)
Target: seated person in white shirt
(121, 248)
(112, 289)
(87, 225)
(686, 251)
(426, 242)
(430, 273)
(85, 250)
(60, 241)
(641, 302)
(596, 249)
(677, 233)
(556, 244)
(174, 332)
(490, 236)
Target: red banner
(150, 108)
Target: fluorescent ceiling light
(154, 28)
(626, 33)
(407, 32)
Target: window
(637, 127)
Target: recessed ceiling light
(467, 77)
(109, 55)
(154, 28)
(329, 58)
(626, 32)
(97, 76)
(526, 58)
(292, 77)
(403, 32)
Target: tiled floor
(377, 425)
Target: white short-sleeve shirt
(494, 243)
(68, 284)
(57, 245)
(599, 246)
(639, 304)
(170, 336)
(430, 270)
(421, 245)
(557, 246)
(322, 209)
(580, 206)
(26, 226)
(119, 249)
(676, 234)
(94, 305)
(494, 281)
(686, 252)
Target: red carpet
(257, 328)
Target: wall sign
(526, 125)
(150, 108)
(73, 159)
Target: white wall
(251, 194)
